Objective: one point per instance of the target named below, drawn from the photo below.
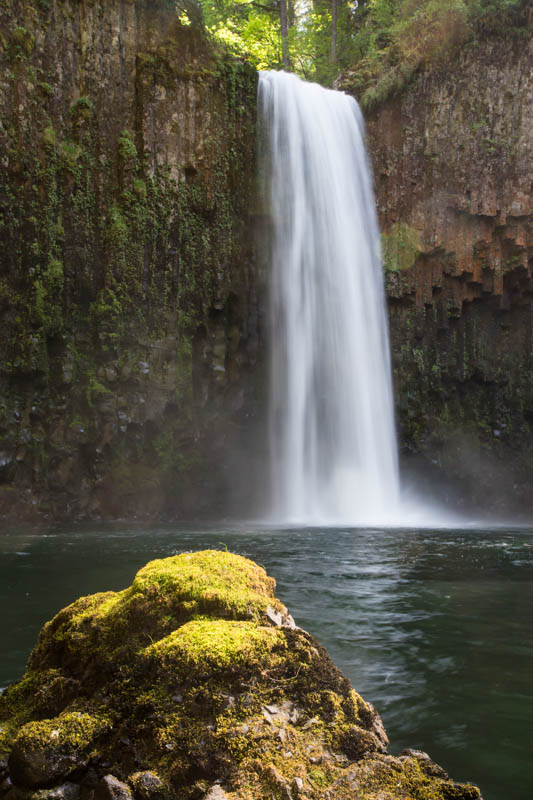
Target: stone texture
(147, 785)
(44, 751)
(66, 791)
(216, 793)
(110, 788)
(37, 766)
(128, 313)
(453, 162)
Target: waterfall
(333, 452)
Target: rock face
(128, 316)
(453, 161)
(131, 301)
(182, 686)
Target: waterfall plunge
(333, 445)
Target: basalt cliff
(132, 295)
(453, 163)
(128, 305)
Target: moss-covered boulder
(195, 682)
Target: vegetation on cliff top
(399, 36)
(381, 42)
(195, 680)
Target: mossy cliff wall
(453, 161)
(128, 320)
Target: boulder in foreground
(195, 683)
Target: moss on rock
(47, 749)
(401, 247)
(106, 629)
(192, 678)
(208, 644)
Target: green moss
(18, 703)
(400, 246)
(82, 108)
(70, 153)
(139, 188)
(49, 136)
(23, 41)
(108, 629)
(72, 731)
(117, 231)
(95, 390)
(208, 644)
(147, 785)
(210, 582)
(318, 777)
(126, 147)
(48, 289)
(46, 88)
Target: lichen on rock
(194, 682)
(44, 750)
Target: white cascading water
(333, 444)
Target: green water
(434, 627)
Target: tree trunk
(291, 13)
(285, 59)
(333, 54)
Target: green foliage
(126, 147)
(380, 42)
(393, 38)
(246, 29)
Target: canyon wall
(132, 298)
(453, 162)
(128, 312)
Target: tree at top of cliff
(382, 41)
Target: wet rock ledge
(195, 683)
